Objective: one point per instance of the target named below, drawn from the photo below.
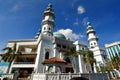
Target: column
(115, 47)
(55, 50)
(80, 64)
(37, 57)
(111, 52)
(61, 57)
(108, 53)
(118, 50)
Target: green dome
(59, 35)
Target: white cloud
(81, 10)
(69, 34)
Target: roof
(59, 35)
(23, 40)
(80, 43)
(53, 60)
(112, 44)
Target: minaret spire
(92, 38)
(48, 21)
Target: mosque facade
(45, 52)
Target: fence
(10, 76)
(68, 76)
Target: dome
(59, 35)
(88, 23)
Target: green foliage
(88, 56)
(9, 53)
(72, 52)
(103, 69)
(115, 62)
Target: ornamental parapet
(91, 31)
(48, 22)
(93, 38)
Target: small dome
(59, 35)
(50, 5)
(88, 23)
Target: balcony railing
(33, 52)
(68, 76)
(24, 62)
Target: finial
(88, 23)
(50, 5)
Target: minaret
(48, 21)
(92, 38)
(99, 53)
(45, 38)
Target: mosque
(45, 52)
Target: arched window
(67, 60)
(94, 43)
(91, 44)
(47, 55)
(50, 69)
(49, 28)
(44, 28)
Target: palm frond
(14, 47)
(71, 51)
(9, 53)
(7, 49)
(88, 56)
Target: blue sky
(20, 19)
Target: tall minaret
(92, 38)
(48, 21)
(99, 53)
(45, 38)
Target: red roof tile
(53, 60)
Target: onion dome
(59, 35)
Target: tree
(9, 53)
(88, 57)
(72, 53)
(115, 62)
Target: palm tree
(72, 53)
(9, 53)
(115, 62)
(88, 57)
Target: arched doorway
(47, 55)
(67, 60)
(68, 68)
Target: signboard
(4, 67)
